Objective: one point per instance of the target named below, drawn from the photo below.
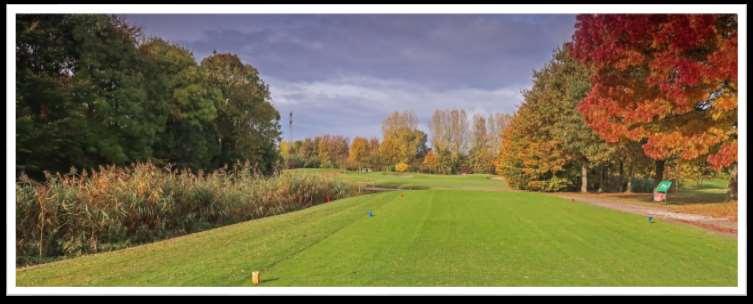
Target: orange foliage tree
(668, 82)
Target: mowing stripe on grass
(421, 238)
(219, 257)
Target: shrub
(553, 184)
(111, 208)
(401, 167)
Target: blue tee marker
(371, 214)
(650, 218)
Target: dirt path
(724, 226)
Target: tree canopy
(666, 81)
(95, 92)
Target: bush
(111, 208)
(401, 167)
(553, 184)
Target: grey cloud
(347, 105)
(344, 73)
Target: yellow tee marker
(256, 278)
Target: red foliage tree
(666, 81)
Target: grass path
(455, 238)
(420, 238)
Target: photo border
(13, 9)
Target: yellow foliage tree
(358, 153)
(431, 163)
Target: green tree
(80, 94)
(176, 79)
(247, 125)
(566, 83)
(547, 140)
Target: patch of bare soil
(635, 203)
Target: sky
(343, 74)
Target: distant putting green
(434, 237)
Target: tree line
(457, 146)
(629, 101)
(91, 90)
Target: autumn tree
(374, 159)
(458, 132)
(526, 157)
(358, 153)
(439, 129)
(496, 123)
(481, 157)
(566, 83)
(332, 151)
(449, 132)
(402, 141)
(291, 154)
(696, 170)
(668, 82)
(430, 163)
(547, 143)
(308, 152)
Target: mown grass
(413, 181)
(434, 237)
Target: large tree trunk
(732, 192)
(584, 177)
(659, 176)
(621, 179)
(601, 180)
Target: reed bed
(116, 207)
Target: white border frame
(13, 10)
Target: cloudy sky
(342, 74)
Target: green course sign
(663, 186)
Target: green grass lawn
(415, 181)
(436, 237)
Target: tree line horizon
(630, 98)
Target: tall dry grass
(112, 207)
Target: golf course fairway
(433, 237)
